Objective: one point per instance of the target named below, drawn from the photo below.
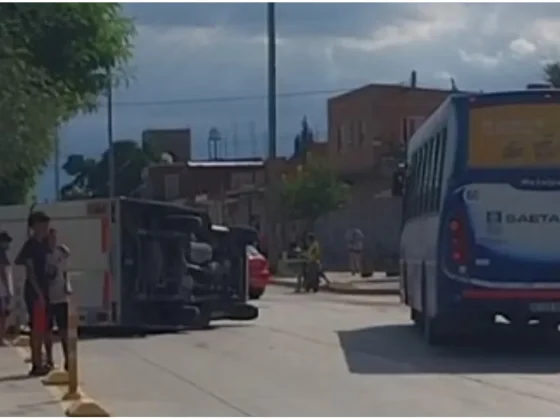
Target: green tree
(81, 46)
(552, 74)
(28, 115)
(91, 177)
(54, 62)
(314, 191)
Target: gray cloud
(190, 51)
(293, 20)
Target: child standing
(59, 291)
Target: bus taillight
(458, 241)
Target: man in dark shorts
(33, 256)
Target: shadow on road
(400, 349)
(14, 377)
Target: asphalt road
(321, 355)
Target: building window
(339, 139)
(409, 125)
(362, 133)
(171, 186)
(352, 135)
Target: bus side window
(417, 179)
(406, 190)
(443, 143)
(429, 171)
(435, 172)
(424, 192)
(414, 188)
(410, 184)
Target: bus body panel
(512, 213)
(420, 235)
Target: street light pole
(271, 172)
(57, 165)
(111, 151)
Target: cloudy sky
(204, 65)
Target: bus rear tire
(415, 317)
(434, 332)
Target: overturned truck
(146, 265)
(183, 269)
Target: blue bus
(481, 222)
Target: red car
(259, 272)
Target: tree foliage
(28, 115)
(75, 44)
(314, 191)
(91, 177)
(54, 61)
(552, 74)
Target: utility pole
(271, 171)
(111, 154)
(271, 80)
(235, 141)
(57, 166)
(253, 139)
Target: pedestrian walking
(355, 244)
(33, 256)
(6, 285)
(59, 292)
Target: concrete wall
(379, 219)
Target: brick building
(367, 129)
(367, 123)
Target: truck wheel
(415, 317)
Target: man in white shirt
(6, 285)
(355, 241)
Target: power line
(188, 101)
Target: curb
(73, 405)
(336, 289)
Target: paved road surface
(318, 355)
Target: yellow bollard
(73, 392)
(80, 406)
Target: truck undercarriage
(178, 270)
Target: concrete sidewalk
(345, 283)
(21, 395)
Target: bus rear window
(514, 136)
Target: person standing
(59, 291)
(313, 263)
(6, 285)
(301, 254)
(33, 256)
(355, 243)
